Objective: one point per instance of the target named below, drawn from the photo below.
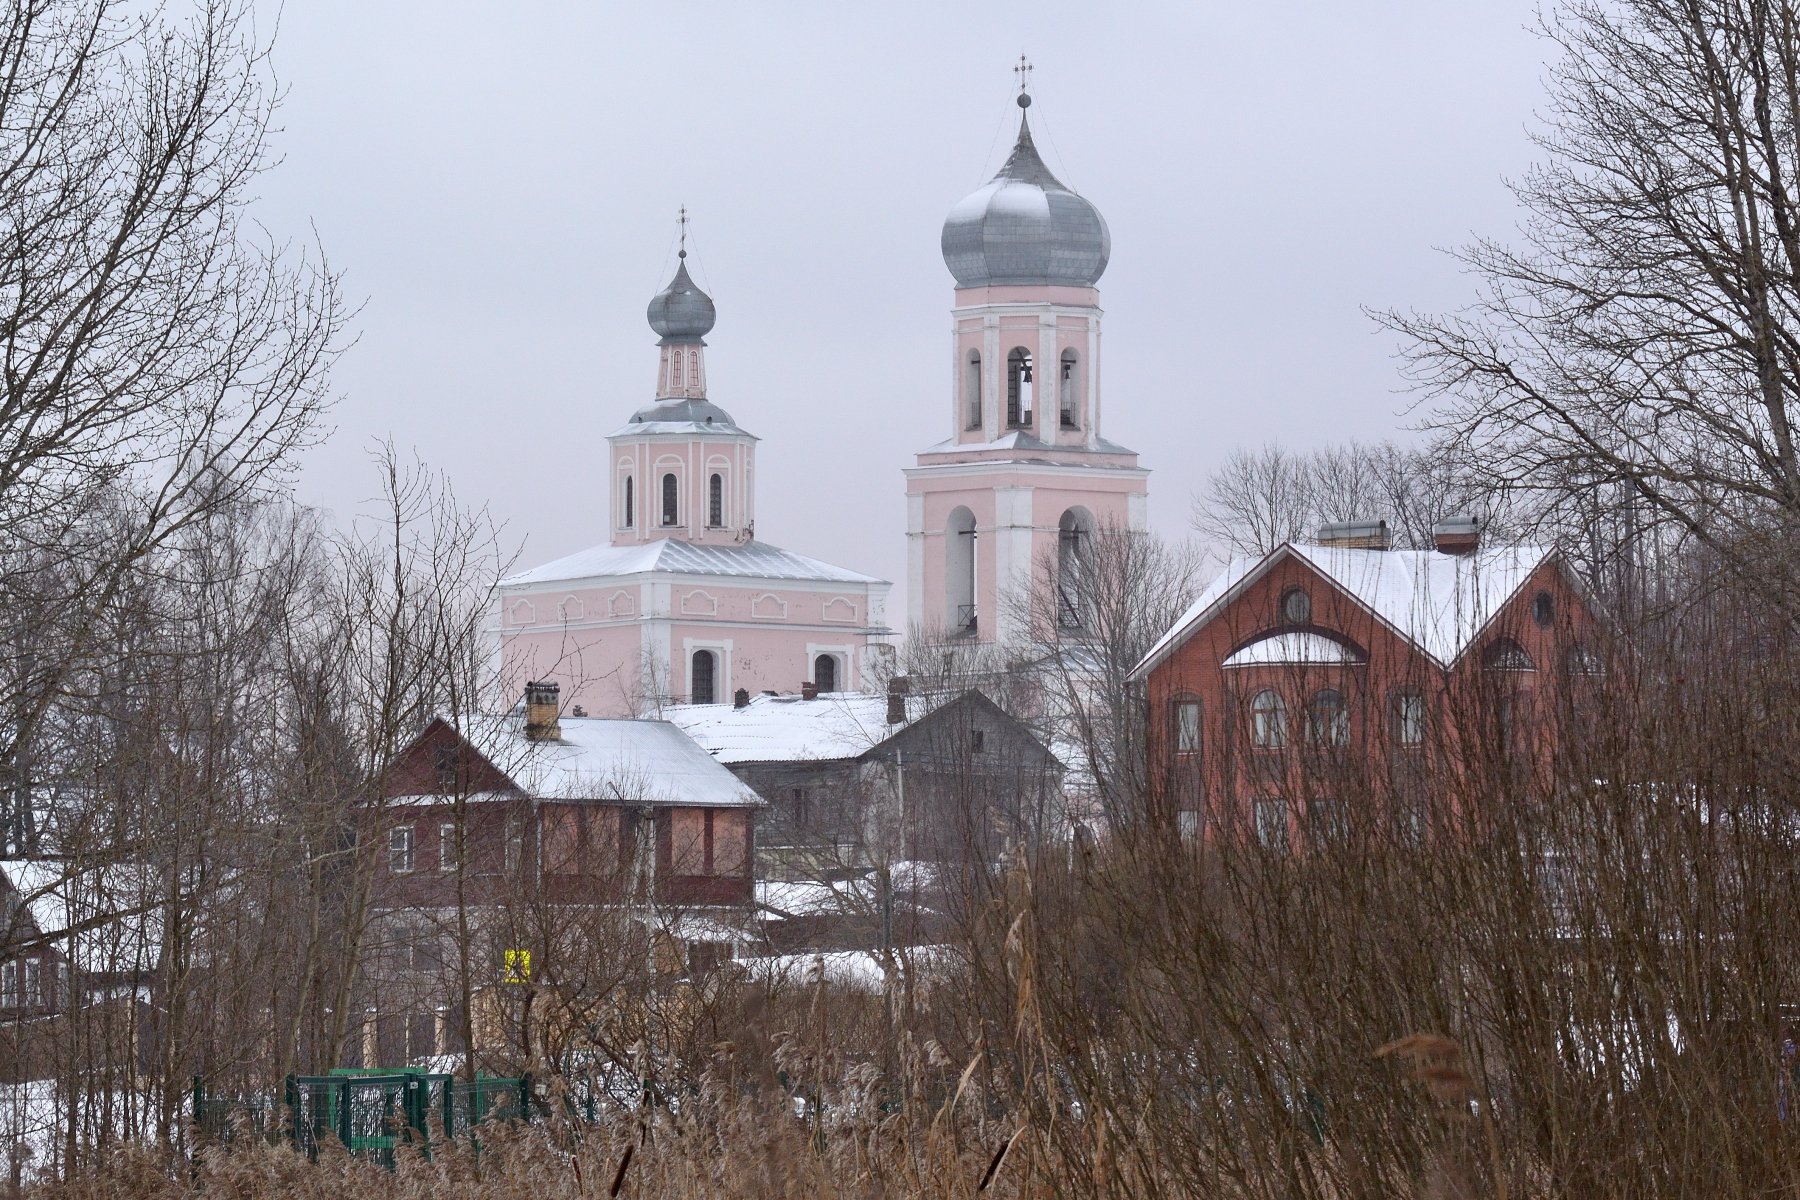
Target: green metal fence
(368, 1111)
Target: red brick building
(1325, 688)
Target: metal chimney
(1458, 535)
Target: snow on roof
(1438, 602)
(1295, 648)
(858, 970)
(752, 560)
(640, 762)
(60, 897)
(788, 729)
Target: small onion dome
(682, 312)
(1025, 227)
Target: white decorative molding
(522, 612)
(572, 609)
(621, 604)
(699, 604)
(769, 607)
(839, 609)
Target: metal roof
(836, 725)
(632, 762)
(1025, 227)
(682, 312)
(1438, 602)
(752, 560)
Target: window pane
(1268, 721)
(1412, 720)
(447, 846)
(1187, 726)
(1329, 720)
(1272, 825)
(687, 841)
(400, 849)
(1330, 824)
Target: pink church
(1025, 475)
(685, 603)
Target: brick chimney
(740, 699)
(541, 709)
(1457, 535)
(898, 689)
(1355, 535)
(809, 690)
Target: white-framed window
(1187, 725)
(1268, 721)
(1329, 720)
(9, 984)
(1187, 821)
(34, 983)
(400, 849)
(1409, 719)
(447, 860)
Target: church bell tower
(1025, 476)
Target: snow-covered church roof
(752, 560)
(1438, 602)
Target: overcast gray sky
(499, 184)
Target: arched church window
(628, 502)
(1072, 533)
(959, 573)
(1018, 388)
(693, 368)
(825, 673)
(715, 501)
(675, 371)
(669, 497)
(703, 677)
(972, 388)
(1070, 406)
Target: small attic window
(1296, 607)
(1543, 610)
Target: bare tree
(162, 358)
(1641, 350)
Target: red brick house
(1341, 685)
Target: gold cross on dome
(1023, 71)
(684, 221)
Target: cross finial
(1023, 71)
(684, 220)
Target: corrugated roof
(837, 725)
(638, 762)
(752, 560)
(1438, 602)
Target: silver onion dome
(1025, 227)
(682, 312)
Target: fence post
(343, 1112)
(292, 1092)
(449, 1106)
(525, 1096)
